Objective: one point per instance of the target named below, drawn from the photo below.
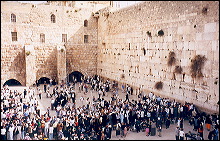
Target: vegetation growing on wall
(28, 53)
(171, 59)
(159, 85)
(197, 65)
(216, 81)
(149, 33)
(205, 10)
(122, 76)
(178, 69)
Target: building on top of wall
(53, 40)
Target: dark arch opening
(77, 75)
(44, 79)
(85, 23)
(12, 82)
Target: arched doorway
(44, 79)
(12, 82)
(77, 75)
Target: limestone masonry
(168, 47)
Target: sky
(122, 3)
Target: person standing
(73, 97)
(51, 82)
(25, 92)
(200, 131)
(122, 129)
(3, 133)
(45, 87)
(52, 103)
(51, 132)
(153, 128)
(177, 133)
(118, 128)
(182, 134)
(125, 131)
(127, 97)
(11, 132)
(39, 93)
(215, 133)
(208, 122)
(167, 123)
(147, 129)
(159, 130)
(210, 135)
(27, 137)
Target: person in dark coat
(175, 113)
(195, 123)
(158, 122)
(137, 126)
(99, 133)
(167, 123)
(25, 92)
(45, 86)
(108, 131)
(127, 97)
(181, 123)
(114, 120)
(210, 135)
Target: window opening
(13, 18)
(64, 38)
(85, 23)
(86, 38)
(14, 36)
(53, 18)
(42, 38)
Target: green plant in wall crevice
(171, 58)
(28, 53)
(159, 85)
(197, 64)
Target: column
(61, 63)
(30, 65)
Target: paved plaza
(167, 134)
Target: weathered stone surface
(116, 39)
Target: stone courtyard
(167, 134)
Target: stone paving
(167, 134)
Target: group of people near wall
(97, 118)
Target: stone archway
(12, 82)
(78, 75)
(44, 79)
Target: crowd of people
(95, 119)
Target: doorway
(77, 75)
(12, 82)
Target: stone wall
(13, 61)
(130, 46)
(124, 45)
(31, 21)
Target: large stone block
(210, 27)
